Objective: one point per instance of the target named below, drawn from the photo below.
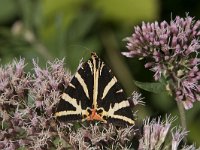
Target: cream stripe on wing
(116, 107)
(90, 65)
(71, 85)
(119, 91)
(82, 82)
(126, 119)
(101, 68)
(65, 113)
(73, 102)
(108, 86)
(96, 78)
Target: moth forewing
(95, 94)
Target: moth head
(94, 114)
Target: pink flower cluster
(171, 50)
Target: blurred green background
(71, 29)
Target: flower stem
(182, 115)
(181, 109)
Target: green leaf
(155, 87)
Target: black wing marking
(95, 94)
(77, 96)
(111, 97)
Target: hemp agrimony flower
(156, 133)
(27, 118)
(14, 82)
(27, 103)
(172, 51)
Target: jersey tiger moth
(94, 94)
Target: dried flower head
(156, 132)
(26, 105)
(136, 99)
(48, 83)
(172, 51)
(28, 122)
(177, 136)
(101, 137)
(14, 83)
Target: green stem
(181, 109)
(174, 83)
(182, 115)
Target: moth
(94, 94)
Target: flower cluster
(102, 137)
(14, 82)
(48, 84)
(27, 104)
(27, 120)
(172, 51)
(155, 135)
